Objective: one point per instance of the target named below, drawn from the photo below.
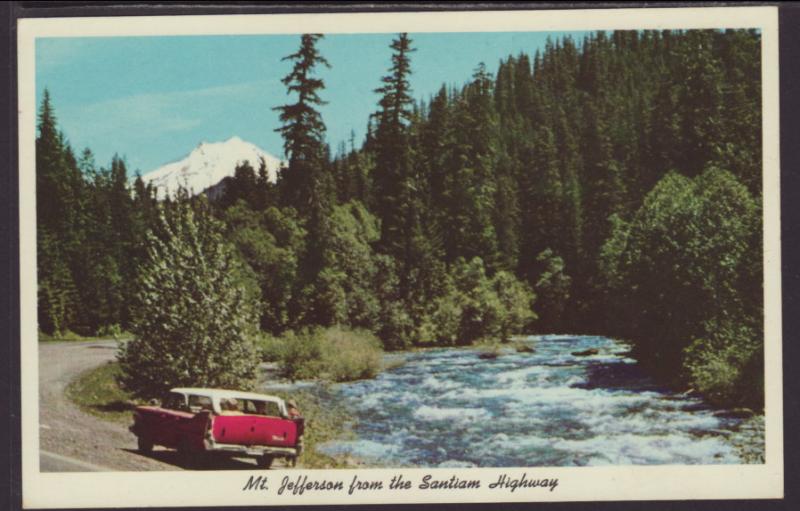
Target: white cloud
(139, 118)
(52, 53)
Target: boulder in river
(524, 347)
(735, 413)
(585, 353)
(488, 355)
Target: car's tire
(145, 444)
(265, 461)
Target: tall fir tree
(307, 182)
(302, 127)
(396, 189)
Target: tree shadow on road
(171, 457)
(114, 406)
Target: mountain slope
(208, 165)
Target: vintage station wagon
(202, 422)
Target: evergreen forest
(606, 186)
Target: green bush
(686, 273)
(113, 330)
(553, 288)
(334, 354)
(195, 315)
(476, 307)
(727, 365)
(350, 355)
(270, 242)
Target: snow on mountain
(208, 165)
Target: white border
(47, 490)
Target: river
(552, 407)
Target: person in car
(291, 409)
(229, 406)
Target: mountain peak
(207, 165)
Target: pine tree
(302, 127)
(700, 100)
(471, 185)
(307, 183)
(543, 190)
(394, 176)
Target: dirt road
(71, 440)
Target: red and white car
(199, 422)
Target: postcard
(419, 257)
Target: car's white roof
(223, 393)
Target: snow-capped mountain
(208, 165)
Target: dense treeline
(609, 185)
(91, 228)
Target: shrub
(477, 307)
(334, 354)
(686, 271)
(270, 243)
(194, 316)
(727, 365)
(113, 330)
(552, 287)
(350, 354)
(516, 301)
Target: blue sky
(153, 99)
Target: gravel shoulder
(69, 438)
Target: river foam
(553, 407)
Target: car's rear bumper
(250, 451)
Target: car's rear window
(258, 407)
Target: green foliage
(271, 243)
(474, 307)
(552, 289)
(350, 354)
(254, 188)
(113, 330)
(346, 292)
(194, 320)
(333, 354)
(688, 260)
(395, 325)
(397, 187)
(516, 305)
(57, 296)
(302, 127)
(727, 364)
(299, 354)
(84, 213)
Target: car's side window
(264, 408)
(199, 403)
(248, 406)
(174, 401)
